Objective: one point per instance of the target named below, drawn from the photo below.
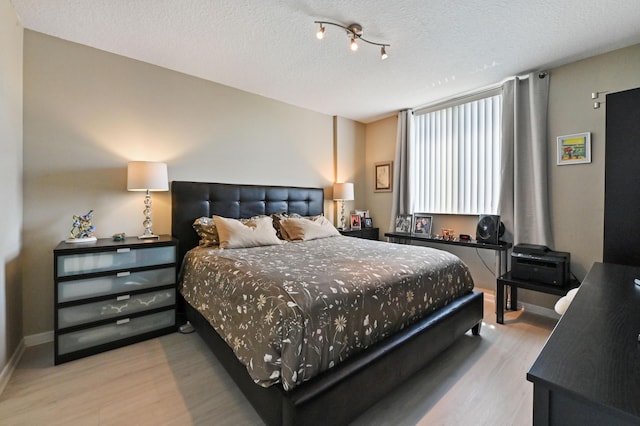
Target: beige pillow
(298, 229)
(206, 230)
(255, 232)
(279, 217)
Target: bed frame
(343, 392)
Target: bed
(335, 395)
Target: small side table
(366, 233)
(514, 284)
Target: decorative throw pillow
(254, 232)
(279, 217)
(303, 229)
(205, 227)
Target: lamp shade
(147, 175)
(343, 191)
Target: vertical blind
(455, 158)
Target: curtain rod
(469, 94)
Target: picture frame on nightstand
(356, 222)
(368, 222)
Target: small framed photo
(403, 223)
(422, 225)
(383, 176)
(574, 149)
(362, 213)
(368, 222)
(356, 221)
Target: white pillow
(299, 229)
(562, 305)
(252, 233)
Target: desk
(514, 284)
(502, 249)
(588, 372)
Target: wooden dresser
(588, 372)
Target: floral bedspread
(293, 310)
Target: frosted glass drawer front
(123, 258)
(90, 337)
(116, 283)
(119, 306)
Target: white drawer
(90, 337)
(120, 283)
(123, 258)
(122, 305)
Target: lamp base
(147, 237)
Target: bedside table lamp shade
(147, 176)
(342, 192)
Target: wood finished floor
(175, 380)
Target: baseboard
(38, 339)
(539, 310)
(8, 369)
(529, 307)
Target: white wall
(11, 37)
(88, 112)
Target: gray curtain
(524, 195)
(401, 195)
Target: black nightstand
(112, 293)
(366, 233)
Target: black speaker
(489, 229)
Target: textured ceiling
(439, 48)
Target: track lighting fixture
(354, 32)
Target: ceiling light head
(320, 33)
(383, 53)
(354, 45)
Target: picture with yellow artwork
(574, 149)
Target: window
(455, 157)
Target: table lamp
(147, 176)
(342, 192)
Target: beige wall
(350, 161)
(10, 181)
(380, 146)
(88, 112)
(576, 192)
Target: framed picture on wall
(384, 176)
(422, 225)
(574, 149)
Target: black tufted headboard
(191, 200)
